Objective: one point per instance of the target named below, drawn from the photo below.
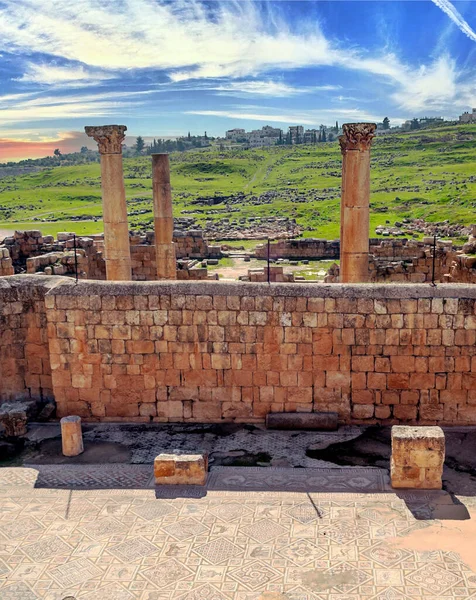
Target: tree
(57, 152)
(320, 136)
(324, 139)
(337, 127)
(140, 144)
(386, 123)
(189, 136)
(205, 136)
(415, 124)
(84, 149)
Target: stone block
(324, 421)
(181, 469)
(418, 454)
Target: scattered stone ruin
(31, 252)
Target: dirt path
(5, 233)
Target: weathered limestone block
(71, 436)
(14, 416)
(418, 454)
(181, 469)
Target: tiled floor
(304, 534)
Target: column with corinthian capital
(116, 231)
(355, 202)
(163, 218)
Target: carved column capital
(357, 136)
(108, 137)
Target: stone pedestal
(116, 230)
(418, 454)
(354, 227)
(181, 469)
(163, 218)
(71, 436)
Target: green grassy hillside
(428, 174)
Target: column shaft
(117, 251)
(355, 202)
(116, 228)
(163, 218)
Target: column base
(354, 268)
(166, 261)
(118, 270)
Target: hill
(428, 174)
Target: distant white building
(266, 136)
(296, 133)
(468, 117)
(234, 134)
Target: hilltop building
(468, 117)
(235, 134)
(271, 136)
(266, 136)
(296, 134)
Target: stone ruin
(166, 351)
(153, 256)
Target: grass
(428, 174)
(223, 262)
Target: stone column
(354, 240)
(116, 231)
(163, 218)
(71, 436)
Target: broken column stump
(71, 436)
(323, 421)
(14, 416)
(418, 454)
(181, 469)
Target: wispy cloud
(274, 89)
(253, 116)
(22, 108)
(72, 75)
(456, 17)
(291, 117)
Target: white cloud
(274, 89)
(428, 87)
(456, 17)
(72, 75)
(190, 40)
(291, 117)
(253, 116)
(17, 110)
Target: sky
(164, 68)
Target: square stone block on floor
(418, 454)
(181, 469)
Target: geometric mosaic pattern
(249, 532)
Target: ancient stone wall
(6, 263)
(299, 249)
(174, 351)
(24, 355)
(463, 269)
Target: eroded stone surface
(181, 469)
(418, 454)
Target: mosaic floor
(283, 534)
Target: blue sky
(164, 68)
